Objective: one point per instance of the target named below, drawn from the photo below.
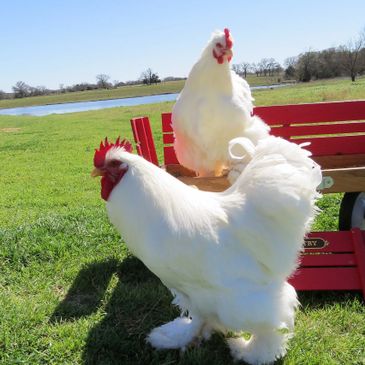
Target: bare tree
(241, 68)
(290, 61)
(61, 88)
(103, 81)
(21, 89)
(273, 66)
(306, 65)
(245, 66)
(264, 66)
(236, 67)
(116, 83)
(149, 77)
(351, 55)
(255, 67)
(2, 95)
(38, 90)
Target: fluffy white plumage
(224, 256)
(214, 107)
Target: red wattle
(220, 58)
(106, 187)
(108, 184)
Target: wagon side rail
(335, 131)
(332, 261)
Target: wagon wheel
(352, 211)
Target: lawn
(71, 293)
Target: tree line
(345, 60)
(332, 62)
(21, 89)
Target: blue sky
(65, 42)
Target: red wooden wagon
(336, 131)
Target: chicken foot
(177, 334)
(262, 348)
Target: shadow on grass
(87, 291)
(138, 303)
(325, 299)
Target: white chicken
(226, 256)
(214, 107)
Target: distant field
(315, 91)
(121, 92)
(70, 291)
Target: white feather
(240, 152)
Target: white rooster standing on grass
(214, 107)
(226, 256)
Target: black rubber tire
(346, 211)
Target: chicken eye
(114, 163)
(219, 45)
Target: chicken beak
(229, 54)
(96, 172)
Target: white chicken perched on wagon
(214, 107)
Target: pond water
(42, 110)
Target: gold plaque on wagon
(315, 243)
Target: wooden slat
(169, 155)
(137, 140)
(168, 138)
(346, 180)
(144, 140)
(215, 184)
(177, 170)
(150, 142)
(340, 161)
(330, 278)
(334, 146)
(166, 122)
(317, 112)
(323, 129)
(134, 122)
(346, 259)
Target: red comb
(229, 42)
(99, 156)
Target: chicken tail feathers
(280, 186)
(240, 151)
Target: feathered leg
(262, 348)
(266, 346)
(176, 334)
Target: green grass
(71, 293)
(315, 91)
